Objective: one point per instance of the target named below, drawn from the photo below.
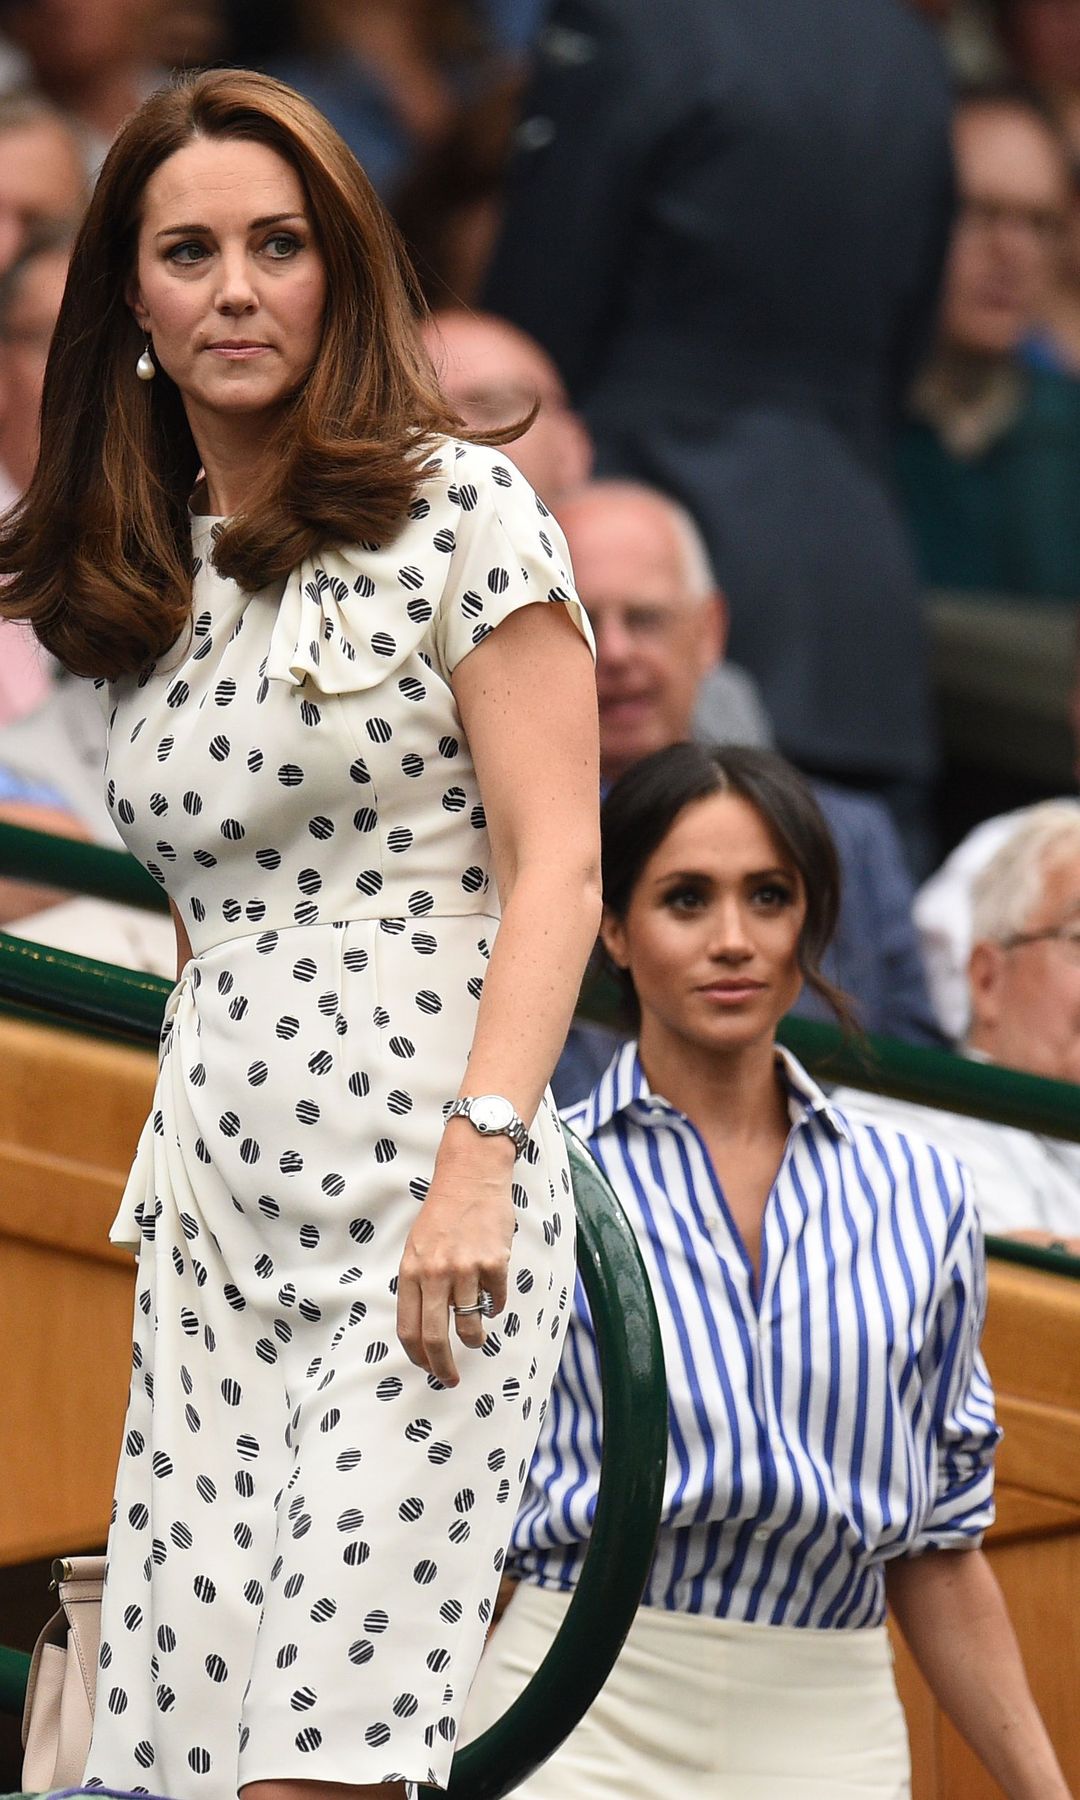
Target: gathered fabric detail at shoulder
(350, 615)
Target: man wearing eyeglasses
(1024, 991)
(989, 459)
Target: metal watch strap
(514, 1128)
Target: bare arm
(183, 942)
(527, 699)
(952, 1613)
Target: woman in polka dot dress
(350, 711)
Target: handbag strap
(79, 1582)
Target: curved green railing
(628, 1504)
(36, 979)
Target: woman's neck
(732, 1094)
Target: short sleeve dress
(308, 1531)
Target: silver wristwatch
(492, 1116)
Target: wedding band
(483, 1305)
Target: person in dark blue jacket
(727, 224)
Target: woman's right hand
(457, 1251)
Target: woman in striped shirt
(820, 1284)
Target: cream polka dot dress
(308, 1531)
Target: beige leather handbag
(59, 1709)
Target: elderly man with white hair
(1024, 991)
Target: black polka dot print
(308, 1531)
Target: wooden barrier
(71, 1109)
(1032, 1348)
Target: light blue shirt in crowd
(832, 1414)
(15, 787)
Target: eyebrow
(750, 875)
(256, 225)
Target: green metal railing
(14, 1670)
(36, 978)
(80, 868)
(623, 1537)
(99, 997)
(937, 1078)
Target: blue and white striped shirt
(832, 1415)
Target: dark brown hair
(99, 552)
(644, 803)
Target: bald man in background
(493, 374)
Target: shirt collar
(623, 1086)
(806, 1100)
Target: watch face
(490, 1112)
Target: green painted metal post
(14, 1673)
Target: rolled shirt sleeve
(958, 1389)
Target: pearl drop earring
(146, 368)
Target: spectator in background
(1024, 994)
(30, 296)
(1040, 43)
(449, 208)
(94, 59)
(943, 915)
(30, 293)
(943, 905)
(643, 575)
(1055, 342)
(388, 74)
(750, 206)
(661, 627)
(42, 178)
(493, 374)
(990, 459)
(1041, 39)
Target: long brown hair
(99, 552)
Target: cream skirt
(701, 1707)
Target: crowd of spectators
(798, 310)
